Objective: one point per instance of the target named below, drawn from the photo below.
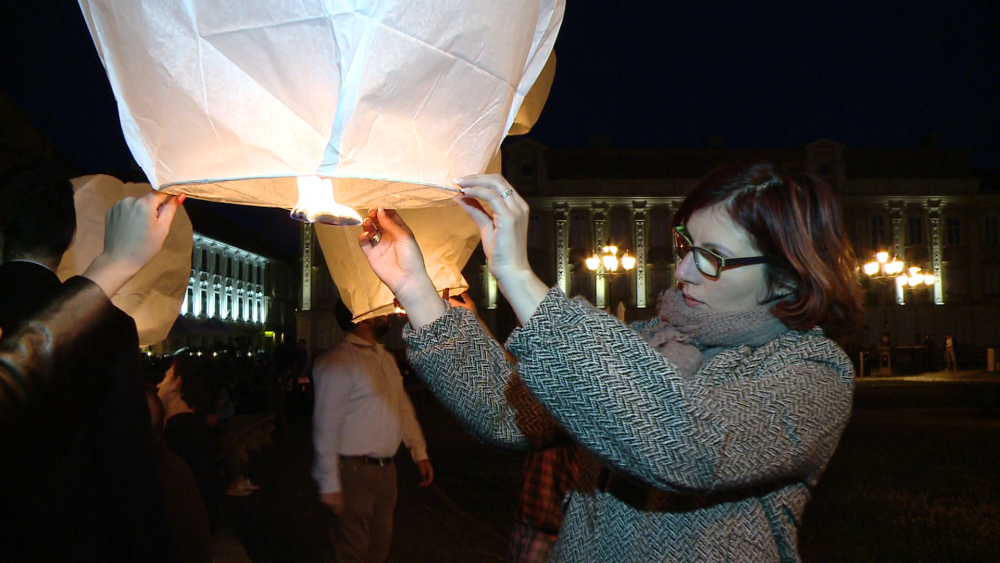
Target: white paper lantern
(447, 238)
(153, 297)
(234, 101)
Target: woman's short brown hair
(792, 217)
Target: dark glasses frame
(682, 239)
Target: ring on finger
(506, 192)
(375, 238)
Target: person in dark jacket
(71, 425)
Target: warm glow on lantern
(871, 268)
(593, 263)
(882, 257)
(628, 262)
(316, 204)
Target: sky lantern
(326, 107)
(153, 297)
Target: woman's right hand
(397, 261)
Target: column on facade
(307, 260)
(489, 287)
(597, 217)
(934, 207)
(896, 213)
(560, 214)
(639, 223)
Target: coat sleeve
(468, 371)
(747, 418)
(46, 346)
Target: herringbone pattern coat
(716, 467)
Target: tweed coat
(715, 467)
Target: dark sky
(874, 74)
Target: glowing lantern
(153, 297)
(447, 237)
(235, 101)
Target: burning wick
(316, 204)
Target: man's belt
(380, 461)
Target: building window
(229, 267)
(203, 306)
(215, 312)
(239, 274)
(952, 231)
(954, 281)
(204, 260)
(878, 232)
(229, 304)
(189, 301)
(579, 231)
(915, 231)
(991, 232)
(216, 264)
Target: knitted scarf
(689, 336)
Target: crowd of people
(693, 436)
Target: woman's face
(737, 289)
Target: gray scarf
(690, 336)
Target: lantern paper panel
(153, 297)
(232, 101)
(447, 237)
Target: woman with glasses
(712, 421)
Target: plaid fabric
(548, 475)
(530, 545)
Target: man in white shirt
(361, 415)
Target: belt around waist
(381, 461)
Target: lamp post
(881, 270)
(916, 281)
(607, 265)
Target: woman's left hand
(505, 239)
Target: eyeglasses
(708, 263)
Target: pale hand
(397, 261)
(135, 229)
(505, 239)
(333, 501)
(505, 233)
(426, 473)
(241, 487)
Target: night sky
(646, 74)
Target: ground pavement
(466, 515)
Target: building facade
(235, 299)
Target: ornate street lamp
(607, 264)
(881, 270)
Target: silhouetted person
(77, 471)
(929, 355)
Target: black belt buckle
(379, 461)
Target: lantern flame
(316, 204)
